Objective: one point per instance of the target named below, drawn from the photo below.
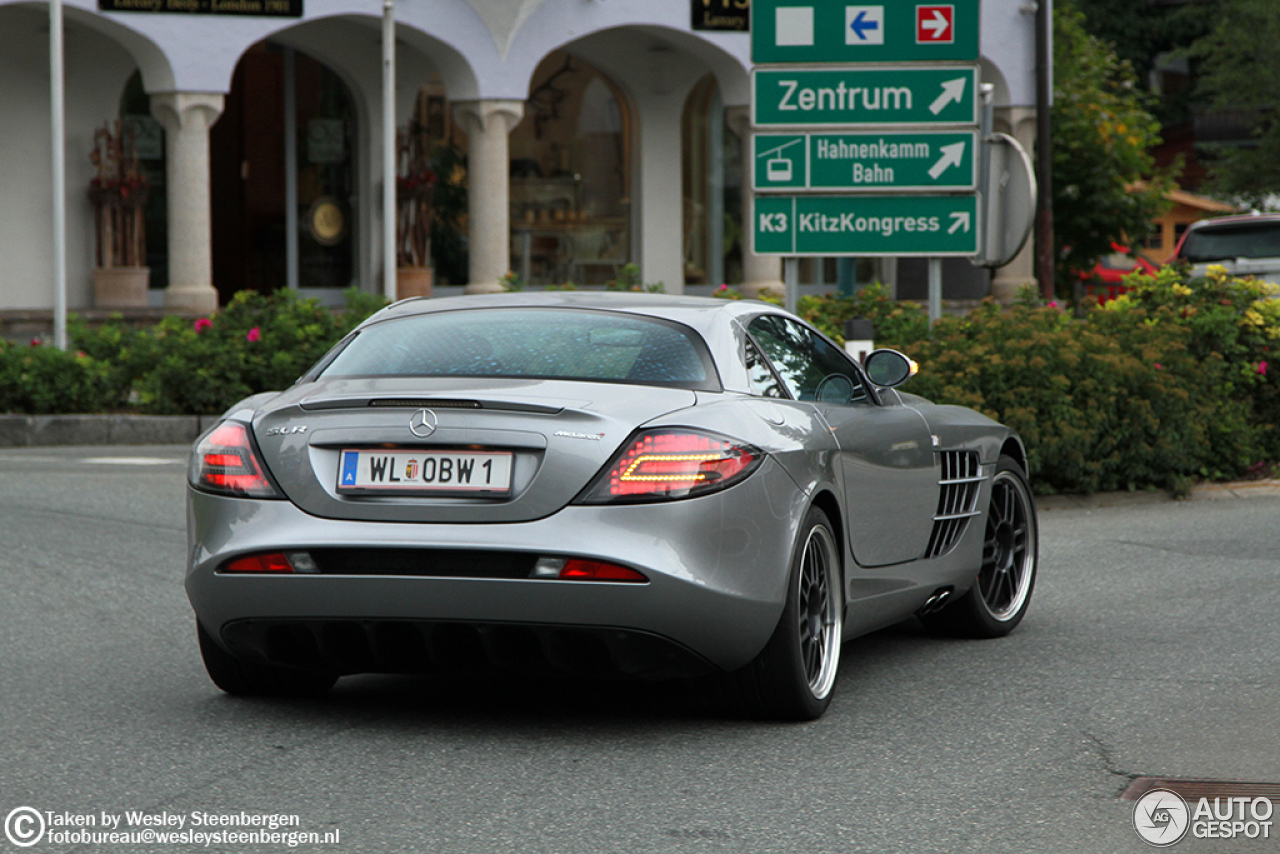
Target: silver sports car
(608, 485)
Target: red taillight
(576, 569)
(224, 462)
(664, 464)
(584, 569)
(260, 563)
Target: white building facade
(587, 134)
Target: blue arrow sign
(860, 25)
(864, 25)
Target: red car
(1106, 280)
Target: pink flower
(1053, 304)
(723, 288)
(1262, 368)
(36, 342)
(202, 324)
(1159, 367)
(253, 335)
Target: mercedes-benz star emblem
(423, 423)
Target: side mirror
(889, 368)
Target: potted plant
(119, 195)
(415, 184)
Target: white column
(1020, 123)
(759, 272)
(658, 185)
(488, 124)
(186, 117)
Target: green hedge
(178, 367)
(39, 379)
(1168, 384)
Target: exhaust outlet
(937, 600)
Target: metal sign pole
(935, 289)
(791, 279)
(59, 146)
(985, 126)
(389, 148)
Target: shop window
(325, 124)
(1155, 237)
(445, 144)
(712, 184)
(571, 177)
(148, 140)
(282, 158)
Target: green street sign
(864, 97)
(808, 31)
(931, 226)
(866, 162)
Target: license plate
(426, 472)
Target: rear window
(540, 343)
(1236, 240)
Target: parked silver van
(1245, 245)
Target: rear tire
(794, 676)
(236, 676)
(1000, 594)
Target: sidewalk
(23, 431)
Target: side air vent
(957, 500)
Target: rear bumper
(451, 647)
(716, 566)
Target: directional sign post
(836, 31)
(884, 135)
(864, 97)
(930, 226)
(866, 162)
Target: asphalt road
(1152, 648)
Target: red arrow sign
(935, 24)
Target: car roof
(700, 313)
(1236, 219)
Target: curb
(22, 431)
(1201, 492)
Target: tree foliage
(1239, 71)
(1105, 181)
(1141, 32)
